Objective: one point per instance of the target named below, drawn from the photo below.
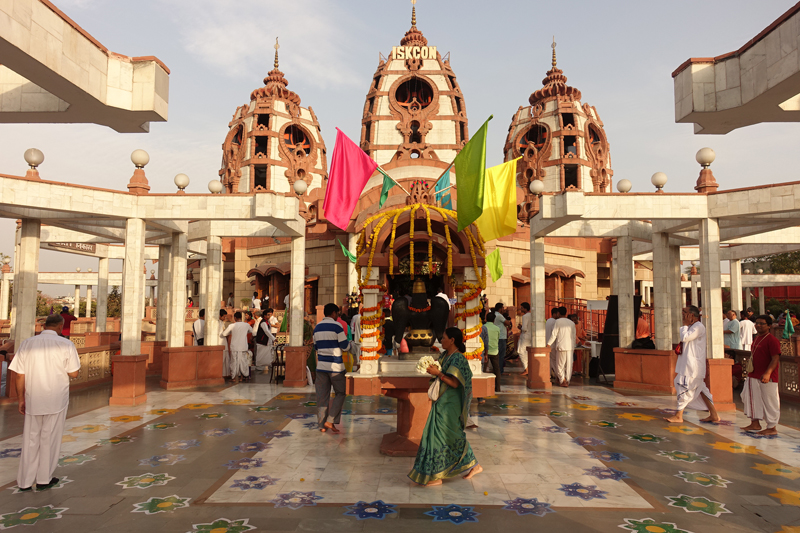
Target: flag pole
(442, 175)
(394, 180)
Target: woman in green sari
(444, 451)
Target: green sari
(444, 451)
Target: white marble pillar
(88, 313)
(76, 310)
(662, 285)
(614, 273)
(214, 291)
(695, 299)
(5, 288)
(711, 287)
(748, 298)
(203, 289)
(297, 291)
(538, 308)
(133, 287)
(736, 286)
(762, 308)
(177, 323)
(14, 289)
(352, 274)
(164, 282)
(676, 293)
(26, 280)
(101, 311)
(473, 322)
(625, 291)
(371, 299)
(152, 299)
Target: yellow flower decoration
(777, 469)
(125, 418)
(197, 406)
(536, 399)
(584, 407)
(162, 412)
(636, 416)
(89, 428)
(790, 529)
(787, 497)
(289, 397)
(735, 447)
(686, 430)
(237, 402)
(69, 438)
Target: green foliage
(43, 304)
(114, 302)
(788, 263)
(82, 309)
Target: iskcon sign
(413, 52)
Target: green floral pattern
(688, 457)
(75, 459)
(692, 504)
(30, 516)
(648, 525)
(706, 480)
(145, 480)
(161, 505)
(223, 525)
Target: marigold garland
(428, 308)
(475, 354)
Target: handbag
(433, 390)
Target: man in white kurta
(746, 332)
(691, 369)
(525, 336)
(199, 329)
(548, 329)
(239, 357)
(43, 364)
(265, 344)
(355, 344)
(562, 339)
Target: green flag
(788, 329)
(388, 183)
(347, 252)
(494, 264)
(470, 166)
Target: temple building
(414, 123)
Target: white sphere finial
(624, 186)
(77, 270)
(760, 271)
(181, 181)
(659, 179)
(215, 186)
(34, 157)
(705, 156)
(140, 158)
(6, 260)
(536, 187)
(300, 187)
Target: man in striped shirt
(330, 340)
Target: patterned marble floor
(249, 458)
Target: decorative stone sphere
(34, 157)
(140, 158)
(181, 181)
(760, 271)
(77, 270)
(152, 271)
(746, 270)
(695, 263)
(215, 186)
(300, 187)
(537, 187)
(89, 270)
(6, 260)
(705, 156)
(624, 186)
(659, 179)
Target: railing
(95, 364)
(593, 321)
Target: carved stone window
(296, 139)
(537, 135)
(414, 94)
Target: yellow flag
(499, 216)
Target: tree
(788, 263)
(114, 302)
(43, 304)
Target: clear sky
(620, 54)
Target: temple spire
(413, 13)
(278, 46)
(553, 46)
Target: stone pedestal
(129, 379)
(645, 370)
(413, 407)
(539, 368)
(97, 338)
(718, 380)
(296, 357)
(191, 366)
(153, 349)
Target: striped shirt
(330, 341)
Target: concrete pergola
(135, 219)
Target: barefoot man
(330, 340)
(760, 394)
(691, 369)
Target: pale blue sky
(620, 54)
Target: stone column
(614, 273)
(76, 310)
(762, 309)
(695, 299)
(297, 291)
(748, 298)
(677, 294)
(133, 287)
(177, 326)
(203, 290)
(5, 288)
(538, 353)
(164, 283)
(352, 275)
(473, 322)
(372, 297)
(736, 286)
(625, 291)
(26, 279)
(102, 295)
(88, 301)
(662, 278)
(214, 291)
(711, 286)
(14, 290)
(152, 300)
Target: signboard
(77, 246)
(413, 52)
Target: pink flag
(351, 168)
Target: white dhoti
(265, 354)
(41, 447)
(563, 365)
(761, 401)
(522, 350)
(240, 364)
(226, 362)
(689, 390)
(355, 350)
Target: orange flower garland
(475, 354)
(428, 308)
